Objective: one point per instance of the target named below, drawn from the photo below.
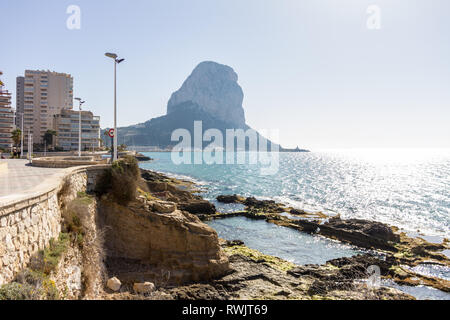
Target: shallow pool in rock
(431, 270)
(419, 292)
(227, 207)
(282, 242)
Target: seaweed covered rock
(254, 204)
(230, 198)
(373, 228)
(362, 233)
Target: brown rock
(114, 284)
(198, 207)
(178, 243)
(164, 206)
(144, 288)
(233, 198)
(297, 211)
(362, 233)
(372, 228)
(254, 204)
(157, 186)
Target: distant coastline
(157, 149)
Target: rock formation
(210, 94)
(142, 244)
(214, 88)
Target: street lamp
(116, 62)
(80, 102)
(30, 146)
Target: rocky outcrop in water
(258, 276)
(400, 252)
(211, 95)
(214, 88)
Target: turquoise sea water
(301, 248)
(285, 243)
(406, 188)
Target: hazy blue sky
(312, 68)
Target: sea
(407, 188)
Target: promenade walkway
(21, 179)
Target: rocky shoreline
(399, 251)
(253, 275)
(141, 235)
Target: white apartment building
(66, 124)
(6, 117)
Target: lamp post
(21, 138)
(30, 146)
(116, 62)
(80, 103)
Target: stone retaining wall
(28, 225)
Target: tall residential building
(40, 96)
(66, 124)
(20, 85)
(6, 117)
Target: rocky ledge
(140, 157)
(399, 252)
(257, 276)
(147, 239)
(253, 275)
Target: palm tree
(106, 134)
(16, 136)
(48, 136)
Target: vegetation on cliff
(120, 181)
(38, 281)
(35, 283)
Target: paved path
(21, 179)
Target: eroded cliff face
(142, 245)
(214, 88)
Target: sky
(317, 71)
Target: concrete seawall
(28, 223)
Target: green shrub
(84, 197)
(71, 222)
(120, 180)
(30, 285)
(76, 217)
(34, 283)
(47, 260)
(18, 291)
